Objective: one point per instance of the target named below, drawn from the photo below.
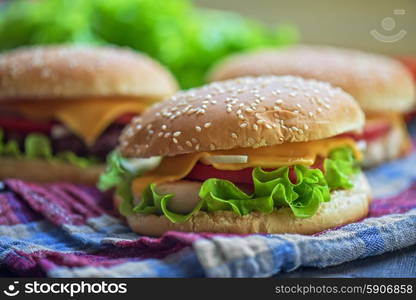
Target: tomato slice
(25, 126)
(125, 119)
(373, 130)
(410, 63)
(201, 172)
(410, 116)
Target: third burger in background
(266, 154)
(382, 86)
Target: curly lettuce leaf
(9, 148)
(114, 173)
(339, 167)
(272, 189)
(38, 146)
(119, 174)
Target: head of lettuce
(250, 155)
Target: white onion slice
(226, 159)
(140, 165)
(59, 131)
(361, 145)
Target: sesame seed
(298, 105)
(243, 125)
(310, 114)
(208, 124)
(255, 127)
(160, 134)
(279, 101)
(306, 126)
(319, 109)
(188, 143)
(260, 122)
(211, 147)
(234, 135)
(177, 133)
(180, 148)
(175, 140)
(276, 107)
(229, 109)
(164, 127)
(197, 128)
(167, 134)
(194, 140)
(197, 147)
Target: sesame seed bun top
(69, 72)
(377, 82)
(247, 112)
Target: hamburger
(249, 155)
(62, 108)
(410, 63)
(381, 85)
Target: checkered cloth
(66, 230)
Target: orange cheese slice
(305, 153)
(87, 118)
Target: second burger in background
(62, 108)
(381, 85)
(248, 155)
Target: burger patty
(68, 141)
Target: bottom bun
(345, 206)
(43, 171)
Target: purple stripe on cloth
(38, 263)
(15, 211)
(61, 203)
(400, 203)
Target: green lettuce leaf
(114, 173)
(153, 203)
(9, 148)
(272, 189)
(119, 173)
(339, 167)
(38, 146)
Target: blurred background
(190, 36)
(345, 23)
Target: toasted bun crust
(242, 113)
(377, 82)
(42, 171)
(68, 72)
(345, 207)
